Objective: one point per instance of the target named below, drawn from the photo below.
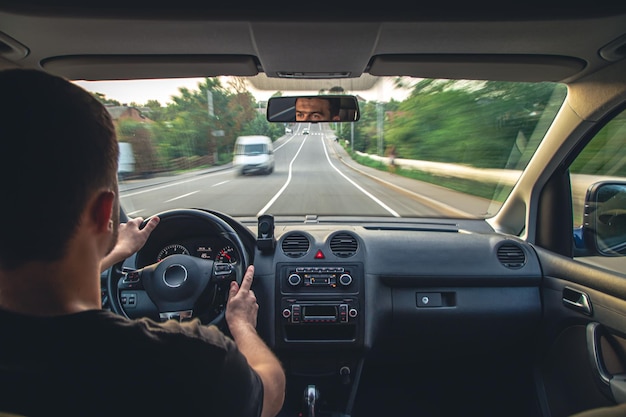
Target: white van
(126, 162)
(254, 154)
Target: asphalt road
(313, 176)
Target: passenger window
(598, 176)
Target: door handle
(577, 300)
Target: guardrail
(506, 176)
(580, 182)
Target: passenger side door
(581, 361)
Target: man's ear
(102, 210)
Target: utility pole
(212, 127)
(352, 137)
(379, 125)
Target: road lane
(309, 179)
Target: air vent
(511, 256)
(295, 245)
(343, 245)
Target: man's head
(317, 109)
(59, 150)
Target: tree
(106, 101)
(206, 121)
(139, 136)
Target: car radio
(328, 311)
(319, 278)
(319, 304)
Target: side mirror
(313, 109)
(604, 226)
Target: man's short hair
(335, 106)
(58, 148)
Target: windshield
(255, 149)
(422, 147)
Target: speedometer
(172, 250)
(227, 255)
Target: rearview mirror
(604, 226)
(313, 109)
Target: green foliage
(106, 101)
(483, 124)
(202, 122)
(139, 135)
(605, 153)
(260, 126)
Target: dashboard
(332, 295)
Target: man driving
(61, 353)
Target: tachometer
(227, 255)
(172, 250)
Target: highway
(311, 177)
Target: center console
(319, 334)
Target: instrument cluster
(214, 249)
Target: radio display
(320, 311)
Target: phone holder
(265, 241)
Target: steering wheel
(179, 286)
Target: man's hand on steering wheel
(131, 238)
(180, 286)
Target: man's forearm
(266, 364)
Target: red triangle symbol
(319, 255)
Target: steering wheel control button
(222, 271)
(129, 300)
(130, 281)
(132, 276)
(175, 275)
(429, 299)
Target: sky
(141, 91)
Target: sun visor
(532, 68)
(123, 67)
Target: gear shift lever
(311, 395)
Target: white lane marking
(284, 143)
(169, 184)
(133, 213)
(269, 204)
(376, 200)
(172, 184)
(181, 196)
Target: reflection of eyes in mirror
(317, 109)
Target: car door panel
(582, 347)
